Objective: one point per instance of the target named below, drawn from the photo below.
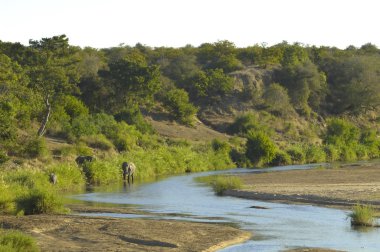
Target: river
(275, 228)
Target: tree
(212, 84)
(354, 85)
(221, 54)
(306, 84)
(133, 81)
(54, 71)
(178, 104)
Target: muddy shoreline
(74, 232)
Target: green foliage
(333, 153)
(245, 123)
(315, 154)
(221, 183)
(277, 99)
(15, 241)
(260, 149)
(39, 201)
(70, 177)
(179, 106)
(341, 133)
(98, 141)
(297, 154)
(3, 156)
(213, 84)
(132, 115)
(221, 54)
(362, 215)
(281, 158)
(35, 147)
(354, 84)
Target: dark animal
(128, 170)
(80, 160)
(53, 178)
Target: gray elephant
(80, 160)
(128, 170)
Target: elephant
(128, 169)
(53, 178)
(80, 160)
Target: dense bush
(35, 147)
(297, 154)
(260, 148)
(15, 241)
(39, 201)
(179, 106)
(98, 141)
(281, 158)
(3, 156)
(245, 123)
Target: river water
(278, 227)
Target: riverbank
(79, 233)
(342, 186)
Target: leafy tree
(354, 85)
(54, 71)
(133, 81)
(259, 148)
(307, 86)
(212, 84)
(177, 102)
(221, 54)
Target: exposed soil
(342, 186)
(79, 233)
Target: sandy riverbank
(79, 233)
(340, 187)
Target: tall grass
(362, 215)
(15, 241)
(221, 183)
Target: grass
(362, 215)
(221, 183)
(15, 241)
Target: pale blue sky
(107, 23)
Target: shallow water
(279, 227)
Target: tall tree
(54, 71)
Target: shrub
(98, 142)
(35, 147)
(178, 104)
(341, 133)
(281, 158)
(245, 123)
(348, 153)
(70, 177)
(315, 154)
(16, 241)
(39, 201)
(332, 153)
(297, 154)
(3, 156)
(362, 215)
(222, 183)
(260, 148)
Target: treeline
(95, 95)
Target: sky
(176, 23)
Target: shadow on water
(274, 226)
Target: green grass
(15, 241)
(362, 215)
(221, 183)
